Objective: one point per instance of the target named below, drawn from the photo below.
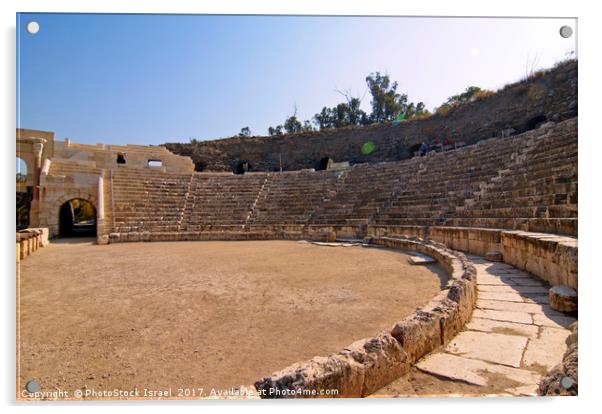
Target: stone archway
(324, 164)
(535, 122)
(77, 218)
(242, 167)
(51, 212)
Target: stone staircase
(365, 189)
(292, 197)
(221, 200)
(148, 201)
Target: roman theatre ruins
(300, 265)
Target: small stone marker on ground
(420, 259)
(563, 299)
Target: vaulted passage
(535, 122)
(323, 164)
(242, 167)
(77, 218)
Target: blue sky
(150, 79)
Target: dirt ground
(205, 315)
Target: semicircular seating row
(526, 182)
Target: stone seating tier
(524, 182)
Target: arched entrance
(77, 218)
(535, 122)
(242, 167)
(324, 163)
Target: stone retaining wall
(370, 363)
(477, 241)
(550, 257)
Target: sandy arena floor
(203, 314)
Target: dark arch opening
(323, 164)
(200, 165)
(77, 218)
(414, 148)
(242, 167)
(536, 121)
(120, 158)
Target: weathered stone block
(418, 334)
(382, 359)
(102, 239)
(563, 299)
(310, 378)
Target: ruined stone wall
(104, 156)
(551, 95)
(25, 151)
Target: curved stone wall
(370, 363)
(550, 257)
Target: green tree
(275, 131)
(307, 127)
(354, 114)
(324, 119)
(245, 132)
(386, 103)
(343, 114)
(292, 125)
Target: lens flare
(368, 148)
